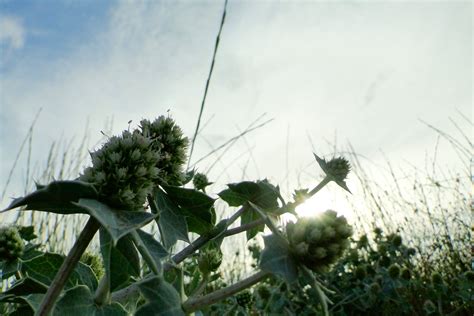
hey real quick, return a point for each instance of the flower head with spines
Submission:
(124, 170)
(11, 243)
(336, 169)
(317, 242)
(167, 138)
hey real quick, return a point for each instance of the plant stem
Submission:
(321, 185)
(68, 266)
(102, 294)
(202, 240)
(193, 304)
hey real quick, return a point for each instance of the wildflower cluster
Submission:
(200, 181)
(124, 170)
(318, 242)
(127, 167)
(167, 138)
(11, 244)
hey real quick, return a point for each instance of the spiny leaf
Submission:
(172, 223)
(56, 197)
(261, 193)
(162, 297)
(79, 301)
(120, 262)
(118, 223)
(276, 258)
(44, 268)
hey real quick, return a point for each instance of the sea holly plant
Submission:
(137, 181)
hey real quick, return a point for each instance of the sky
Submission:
(360, 72)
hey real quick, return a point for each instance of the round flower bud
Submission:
(200, 181)
(394, 271)
(167, 138)
(405, 274)
(244, 299)
(411, 251)
(317, 242)
(209, 260)
(11, 244)
(264, 292)
(396, 240)
(338, 168)
(363, 241)
(469, 275)
(436, 278)
(94, 262)
(123, 180)
(375, 288)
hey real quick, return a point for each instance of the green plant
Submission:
(136, 179)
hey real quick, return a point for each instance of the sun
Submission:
(325, 200)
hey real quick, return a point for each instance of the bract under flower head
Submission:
(336, 169)
(167, 138)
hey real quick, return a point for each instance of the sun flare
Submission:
(322, 201)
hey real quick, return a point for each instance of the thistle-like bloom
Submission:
(319, 241)
(167, 138)
(336, 169)
(200, 181)
(11, 244)
(394, 271)
(124, 170)
(209, 260)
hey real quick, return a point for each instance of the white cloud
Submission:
(12, 32)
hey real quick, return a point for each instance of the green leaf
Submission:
(162, 297)
(28, 304)
(120, 262)
(79, 301)
(157, 251)
(196, 206)
(8, 268)
(249, 215)
(171, 221)
(261, 193)
(26, 286)
(276, 258)
(44, 268)
(118, 223)
(27, 232)
(56, 197)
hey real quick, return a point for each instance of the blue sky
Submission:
(365, 71)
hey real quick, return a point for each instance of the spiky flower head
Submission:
(375, 288)
(11, 243)
(436, 278)
(336, 169)
(209, 259)
(319, 241)
(94, 262)
(394, 271)
(244, 298)
(405, 274)
(123, 170)
(200, 181)
(396, 240)
(167, 138)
